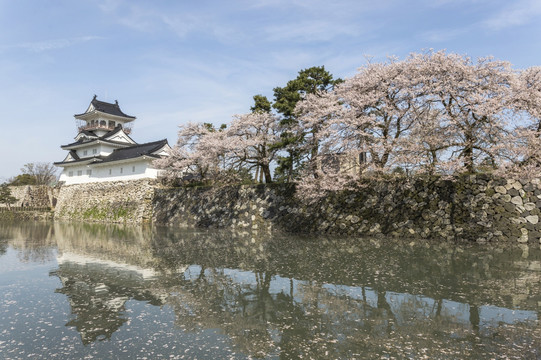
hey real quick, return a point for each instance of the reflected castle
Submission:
(275, 295)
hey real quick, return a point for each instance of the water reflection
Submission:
(289, 297)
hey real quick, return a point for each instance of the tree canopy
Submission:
(254, 143)
(261, 104)
(23, 179)
(433, 113)
(5, 195)
(313, 80)
(39, 173)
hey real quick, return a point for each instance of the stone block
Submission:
(517, 200)
(529, 206)
(509, 207)
(523, 238)
(513, 192)
(532, 219)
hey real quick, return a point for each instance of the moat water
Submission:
(79, 291)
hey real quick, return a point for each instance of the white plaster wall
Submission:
(102, 149)
(105, 150)
(118, 172)
(81, 152)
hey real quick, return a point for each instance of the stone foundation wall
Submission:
(111, 202)
(12, 216)
(473, 208)
(33, 196)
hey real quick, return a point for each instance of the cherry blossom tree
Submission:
(528, 96)
(223, 155)
(198, 153)
(474, 101)
(370, 113)
(251, 142)
(433, 112)
(524, 144)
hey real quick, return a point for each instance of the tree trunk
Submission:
(467, 153)
(256, 178)
(266, 171)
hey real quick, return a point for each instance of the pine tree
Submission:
(5, 195)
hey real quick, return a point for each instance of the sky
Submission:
(172, 62)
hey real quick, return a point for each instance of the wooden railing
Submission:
(126, 129)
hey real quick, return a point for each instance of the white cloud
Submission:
(182, 25)
(310, 30)
(46, 45)
(139, 18)
(518, 13)
(439, 3)
(443, 35)
(109, 5)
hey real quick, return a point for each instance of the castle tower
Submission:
(104, 151)
(101, 117)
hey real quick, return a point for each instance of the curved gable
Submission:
(118, 135)
(164, 150)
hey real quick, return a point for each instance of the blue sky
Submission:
(170, 62)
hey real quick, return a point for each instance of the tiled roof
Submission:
(95, 138)
(88, 133)
(131, 152)
(74, 155)
(136, 151)
(94, 159)
(112, 132)
(108, 108)
(81, 142)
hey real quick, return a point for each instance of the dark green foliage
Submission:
(40, 173)
(210, 127)
(261, 104)
(309, 81)
(289, 167)
(5, 195)
(23, 179)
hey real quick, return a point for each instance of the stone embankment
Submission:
(474, 208)
(35, 196)
(34, 202)
(27, 215)
(111, 202)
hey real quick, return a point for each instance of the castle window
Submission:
(89, 172)
(110, 171)
(94, 151)
(121, 170)
(70, 173)
(133, 169)
(79, 172)
(85, 152)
